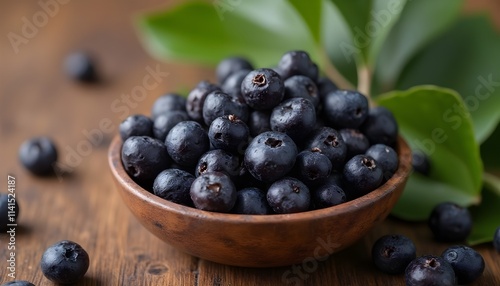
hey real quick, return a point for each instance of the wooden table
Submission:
(36, 98)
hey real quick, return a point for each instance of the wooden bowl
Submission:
(260, 241)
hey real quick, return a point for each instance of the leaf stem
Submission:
(332, 72)
(365, 80)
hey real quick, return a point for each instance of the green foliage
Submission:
(398, 44)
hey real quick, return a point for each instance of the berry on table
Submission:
(65, 262)
(450, 222)
(81, 66)
(18, 283)
(391, 254)
(467, 263)
(429, 270)
(38, 155)
(420, 162)
(8, 205)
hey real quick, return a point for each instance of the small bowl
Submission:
(260, 241)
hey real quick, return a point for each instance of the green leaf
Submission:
(490, 151)
(485, 217)
(456, 167)
(310, 12)
(465, 59)
(369, 23)
(411, 33)
(198, 31)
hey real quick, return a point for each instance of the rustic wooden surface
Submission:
(36, 98)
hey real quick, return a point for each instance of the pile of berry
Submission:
(262, 141)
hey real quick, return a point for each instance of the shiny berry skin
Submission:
(380, 127)
(345, 109)
(7, 205)
(167, 103)
(312, 165)
(81, 66)
(361, 175)
(288, 195)
(330, 143)
(144, 158)
(65, 262)
(262, 89)
(325, 86)
(429, 270)
(218, 161)
(38, 155)
(467, 263)
(391, 254)
(270, 156)
(302, 86)
(232, 85)
(327, 195)
(136, 125)
(230, 66)
(450, 222)
(355, 141)
(229, 133)
(420, 163)
(18, 283)
(258, 122)
(196, 99)
(386, 158)
(297, 63)
(295, 117)
(186, 142)
(213, 191)
(251, 201)
(173, 185)
(219, 104)
(165, 122)
(496, 240)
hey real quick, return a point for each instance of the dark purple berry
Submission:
(186, 142)
(270, 156)
(302, 86)
(9, 211)
(345, 109)
(258, 122)
(218, 104)
(297, 63)
(65, 262)
(288, 195)
(229, 133)
(361, 175)
(429, 270)
(295, 117)
(166, 121)
(173, 185)
(196, 99)
(327, 195)
(391, 254)
(331, 144)
(144, 158)
(136, 125)
(386, 158)
(213, 191)
(450, 222)
(251, 201)
(262, 89)
(467, 263)
(81, 66)
(232, 85)
(18, 283)
(230, 66)
(167, 103)
(312, 165)
(355, 141)
(380, 127)
(496, 240)
(325, 86)
(421, 163)
(38, 155)
(218, 161)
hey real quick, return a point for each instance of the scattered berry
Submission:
(420, 162)
(429, 270)
(467, 263)
(38, 155)
(450, 222)
(8, 205)
(65, 262)
(288, 195)
(391, 254)
(173, 185)
(18, 283)
(136, 125)
(213, 191)
(80, 66)
(496, 240)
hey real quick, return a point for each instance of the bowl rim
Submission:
(403, 171)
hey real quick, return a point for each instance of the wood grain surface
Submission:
(36, 98)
